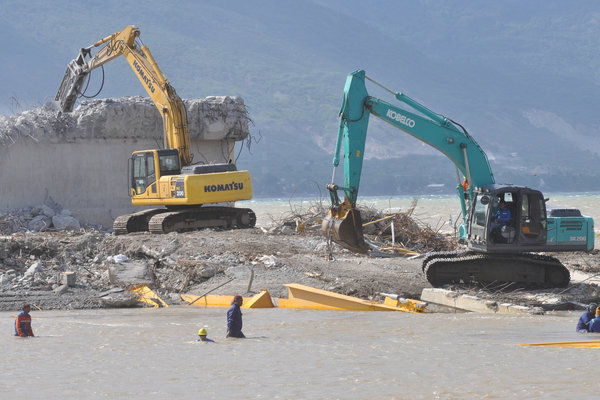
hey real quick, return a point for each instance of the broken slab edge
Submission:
(448, 298)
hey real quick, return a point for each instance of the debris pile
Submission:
(40, 218)
(211, 118)
(100, 267)
(400, 233)
(392, 233)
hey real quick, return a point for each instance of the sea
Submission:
(147, 353)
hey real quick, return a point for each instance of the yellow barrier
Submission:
(145, 295)
(580, 343)
(300, 296)
(260, 300)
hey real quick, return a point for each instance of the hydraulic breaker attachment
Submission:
(70, 87)
(344, 226)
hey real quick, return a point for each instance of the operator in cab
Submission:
(501, 219)
(586, 317)
(502, 216)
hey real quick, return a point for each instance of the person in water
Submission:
(234, 318)
(586, 317)
(23, 322)
(202, 336)
(594, 324)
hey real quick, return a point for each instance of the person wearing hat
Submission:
(234, 318)
(202, 336)
(586, 317)
(594, 324)
(23, 322)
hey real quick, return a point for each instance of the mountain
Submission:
(522, 77)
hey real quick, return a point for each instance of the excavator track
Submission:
(136, 222)
(162, 220)
(201, 217)
(527, 270)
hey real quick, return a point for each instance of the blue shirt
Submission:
(23, 325)
(207, 340)
(234, 322)
(594, 325)
(503, 215)
(584, 320)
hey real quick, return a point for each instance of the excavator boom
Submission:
(146, 69)
(342, 224)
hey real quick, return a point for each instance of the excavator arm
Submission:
(126, 43)
(343, 223)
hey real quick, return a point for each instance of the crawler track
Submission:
(136, 222)
(528, 270)
(162, 220)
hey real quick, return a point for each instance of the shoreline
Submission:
(33, 264)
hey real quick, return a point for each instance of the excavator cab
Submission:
(146, 167)
(508, 219)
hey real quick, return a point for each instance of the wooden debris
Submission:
(410, 237)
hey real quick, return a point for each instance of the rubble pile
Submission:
(100, 267)
(39, 218)
(211, 118)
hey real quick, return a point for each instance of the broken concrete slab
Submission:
(212, 118)
(65, 222)
(129, 273)
(471, 303)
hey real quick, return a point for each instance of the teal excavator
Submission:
(510, 253)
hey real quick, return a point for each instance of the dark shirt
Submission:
(584, 320)
(234, 321)
(503, 216)
(594, 325)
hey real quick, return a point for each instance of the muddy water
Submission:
(294, 354)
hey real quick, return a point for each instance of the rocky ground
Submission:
(33, 267)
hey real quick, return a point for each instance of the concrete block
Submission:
(68, 278)
(129, 273)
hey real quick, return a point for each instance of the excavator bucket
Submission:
(345, 229)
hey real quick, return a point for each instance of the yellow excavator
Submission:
(163, 177)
